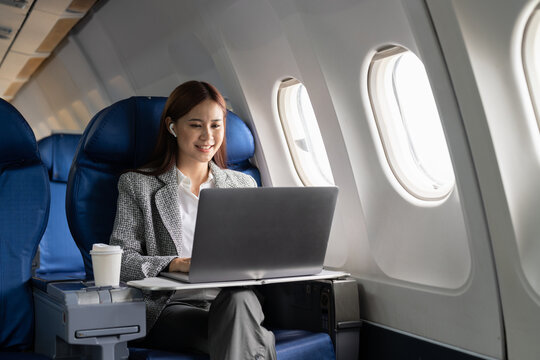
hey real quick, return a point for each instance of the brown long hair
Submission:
(182, 99)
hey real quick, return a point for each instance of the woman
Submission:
(155, 221)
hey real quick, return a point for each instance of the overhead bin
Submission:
(19, 66)
(29, 37)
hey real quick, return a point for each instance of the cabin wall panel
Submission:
(346, 230)
(426, 248)
(133, 25)
(250, 53)
(102, 55)
(60, 92)
(243, 59)
(345, 36)
(504, 138)
(190, 55)
(159, 46)
(39, 115)
(151, 65)
(226, 77)
(257, 74)
(83, 76)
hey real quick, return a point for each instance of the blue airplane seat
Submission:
(121, 137)
(24, 209)
(21, 356)
(290, 345)
(240, 147)
(118, 138)
(59, 257)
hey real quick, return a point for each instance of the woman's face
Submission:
(199, 133)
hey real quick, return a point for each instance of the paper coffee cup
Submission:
(106, 262)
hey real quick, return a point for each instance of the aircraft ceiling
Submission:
(30, 30)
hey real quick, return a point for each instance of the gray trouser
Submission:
(229, 329)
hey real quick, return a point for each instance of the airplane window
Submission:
(409, 124)
(303, 134)
(531, 57)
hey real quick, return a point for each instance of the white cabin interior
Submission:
(461, 271)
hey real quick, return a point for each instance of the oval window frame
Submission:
(384, 108)
(285, 113)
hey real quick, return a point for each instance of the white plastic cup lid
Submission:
(105, 249)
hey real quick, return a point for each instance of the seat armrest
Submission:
(40, 281)
(74, 319)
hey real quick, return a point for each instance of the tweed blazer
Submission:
(148, 226)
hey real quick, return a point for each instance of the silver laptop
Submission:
(260, 233)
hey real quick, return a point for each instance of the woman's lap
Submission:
(235, 318)
(181, 326)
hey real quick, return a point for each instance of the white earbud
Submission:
(171, 129)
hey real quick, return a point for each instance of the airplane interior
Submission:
(425, 114)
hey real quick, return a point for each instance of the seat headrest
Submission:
(120, 135)
(17, 140)
(240, 143)
(57, 153)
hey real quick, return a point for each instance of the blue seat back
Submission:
(24, 208)
(121, 137)
(58, 253)
(240, 147)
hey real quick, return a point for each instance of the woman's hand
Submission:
(180, 264)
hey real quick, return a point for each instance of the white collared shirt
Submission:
(188, 204)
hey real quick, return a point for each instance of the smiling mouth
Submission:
(204, 148)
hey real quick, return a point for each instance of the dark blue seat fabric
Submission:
(303, 345)
(21, 356)
(290, 345)
(59, 256)
(119, 137)
(150, 354)
(240, 147)
(24, 208)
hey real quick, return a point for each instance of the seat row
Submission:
(62, 197)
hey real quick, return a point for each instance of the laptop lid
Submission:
(258, 233)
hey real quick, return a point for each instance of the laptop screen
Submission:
(257, 233)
